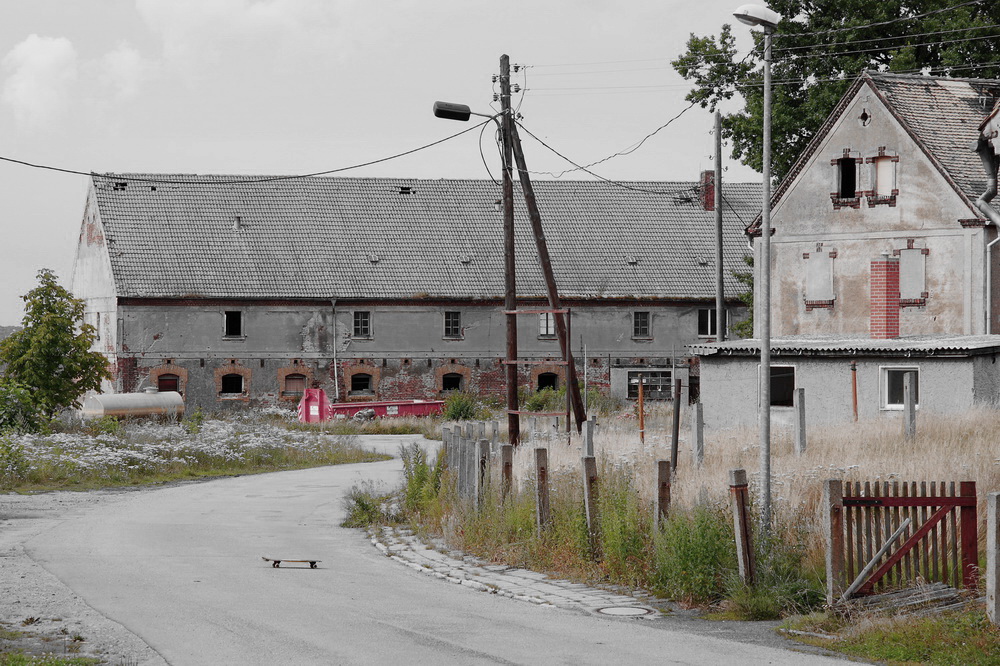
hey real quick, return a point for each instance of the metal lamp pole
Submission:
(767, 20)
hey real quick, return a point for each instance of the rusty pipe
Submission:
(854, 388)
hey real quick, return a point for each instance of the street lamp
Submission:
(766, 19)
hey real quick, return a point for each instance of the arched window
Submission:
(168, 382)
(548, 380)
(361, 383)
(232, 384)
(451, 382)
(295, 386)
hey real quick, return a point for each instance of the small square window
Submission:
(893, 387)
(706, 322)
(362, 324)
(640, 325)
(361, 383)
(546, 325)
(233, 324)
(453, 324)
(232, 384)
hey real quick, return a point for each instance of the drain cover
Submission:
(624, 610)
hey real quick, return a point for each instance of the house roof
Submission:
(921, 345)
(173, 236)
(942, 115)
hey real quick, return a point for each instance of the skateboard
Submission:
(276, 563)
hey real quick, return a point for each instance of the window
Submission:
(452, 381)
(452, 324)
(847, 181)
(548, 380)
(295, 386)
(546, 325)
(706, 322)
(361, 383)
(362, 324)
(819, 278)
(233, 326)
(656, 385)
(232, 385)
(883, 175)
(893, 385)
(640, 325)
(913, 276)
(167, 382)
(782, 386)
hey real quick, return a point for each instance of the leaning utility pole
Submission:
(510, 282)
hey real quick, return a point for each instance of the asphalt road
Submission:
(181, 567)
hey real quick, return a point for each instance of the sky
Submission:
(300, 86)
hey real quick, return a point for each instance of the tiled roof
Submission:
(174, 236)
(920, 345)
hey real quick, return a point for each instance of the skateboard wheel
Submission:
(276, 563)
(312, 565)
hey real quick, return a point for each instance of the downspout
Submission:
(336, 366)
(986, 152)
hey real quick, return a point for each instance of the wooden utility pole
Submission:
(562, 332)
(510, 281)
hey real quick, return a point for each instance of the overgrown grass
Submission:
(22, 659)
(111, 453)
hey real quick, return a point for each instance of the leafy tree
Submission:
(820, 48)
(50, 355)
(744, 328)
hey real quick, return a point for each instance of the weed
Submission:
(459, 406)
(694, 553)
(193, 422)
(14, 464)
(368, 506)
(106, 425)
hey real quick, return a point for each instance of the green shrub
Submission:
(106, 425)
(14, 463)
(459, 406)
(694, 553)
(624, 528)
(367, 506)
(19, 412)
(422, 480)
(192, 422)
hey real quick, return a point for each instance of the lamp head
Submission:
(451, 111)
(756, 15)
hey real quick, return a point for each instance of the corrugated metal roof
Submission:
(373, 238)
(921, 345)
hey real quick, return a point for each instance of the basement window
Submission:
(548, 380)
(361, 384)
(295, 386)
(893, 387)
(233, 324)
(232, 385)
(656, 385)
(451, 381)
(168, 382)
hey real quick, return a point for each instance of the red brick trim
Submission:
(543, 368)
(819, 305)
(169, 369)
(362, 366)
(973, 223)
(296, 368)
(233, 368)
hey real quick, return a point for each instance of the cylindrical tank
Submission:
(149, 403)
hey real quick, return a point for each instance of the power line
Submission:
(881, 39)
(240, 181)
(876, 25)
(834, 54)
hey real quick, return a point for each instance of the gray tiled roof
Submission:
(921, 345)
(173, 236)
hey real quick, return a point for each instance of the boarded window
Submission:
(819, 278)
(884, 173)
(656, 385)
(361, 383)
(893, 387)
(548, 380)
(295, 386)
(232, 384)
(546, 325)
(233, 324)
(782, 386)
(451, 381)
(168, 382)
(912, 276)
(362, 324)
(452, 324)
(640, 325)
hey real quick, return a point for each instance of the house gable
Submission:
(93, 279)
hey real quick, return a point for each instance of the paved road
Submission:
(181, 568)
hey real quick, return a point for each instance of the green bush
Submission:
(19, 412)
(106, 425)
(694, 554)
(459, 406)
(367, 506)
(624, 528)
(14, 463)
(192, 422)
(422, 480)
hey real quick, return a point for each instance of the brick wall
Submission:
(884, 318)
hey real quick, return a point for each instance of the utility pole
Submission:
(510, 281)
(720, 305)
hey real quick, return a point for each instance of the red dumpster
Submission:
(343, 410)
(314, 407)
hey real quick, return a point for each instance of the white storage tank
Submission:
(148, 403)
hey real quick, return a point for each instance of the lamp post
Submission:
(767, 20)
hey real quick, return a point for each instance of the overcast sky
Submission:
(298, 86)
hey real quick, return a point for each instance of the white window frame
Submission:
(546, 325)
(712, 328)
(883, 381)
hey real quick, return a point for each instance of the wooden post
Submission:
(909, 405)
(589, 464)
(698, 434)
(506, 469)
(642, 412)
(662, 491)
(542, 514)
(970, 536)
(833, 506)
(741, 522)
(509, 254)
(993, 557)
(800, 421)
(676, 431)
(588, 437)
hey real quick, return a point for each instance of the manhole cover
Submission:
(624, 610)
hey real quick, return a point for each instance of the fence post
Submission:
(698, 433)
(446, 444)
(909, 405)
(482, 470)
(833, 507)
(741, 522)
(800, 421)
(970, 536)
(676, 431)
(531, 428)
(662, 491)
(993, 557)
(506, 469)
(496, 434)
(589, 464)
(542, 488)
(588, 437)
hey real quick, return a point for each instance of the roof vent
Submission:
(406, 189)
(119, 185)
(373, 258)
(466, 259)
(237, 223)
(498, 205)
(702, 261)
(632, 260)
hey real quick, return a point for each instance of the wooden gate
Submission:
(939, 545)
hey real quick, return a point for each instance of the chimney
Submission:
(884, 323)
(707, 190)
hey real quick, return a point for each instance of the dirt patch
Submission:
(38, 613)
